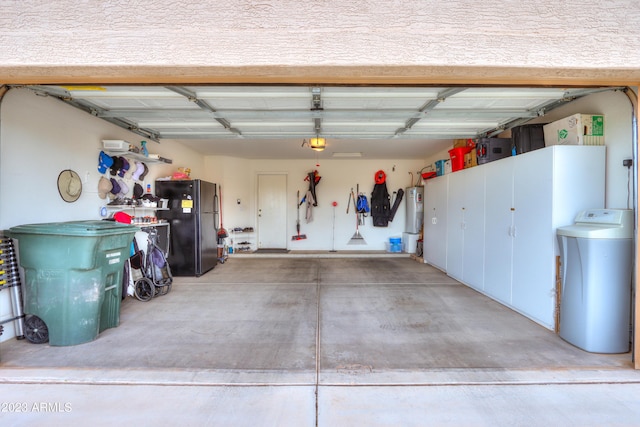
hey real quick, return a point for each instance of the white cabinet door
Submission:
(498, 245)
(473, 256)
(533, 280)
(465, 227)
(435, 221)
(455, 223)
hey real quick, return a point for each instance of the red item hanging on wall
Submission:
(380, 177)
(316, 176)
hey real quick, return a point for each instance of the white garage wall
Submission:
(40, 137)
(618, 139)
(239, 177)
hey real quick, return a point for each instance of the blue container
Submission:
(395, 244)
(440, 167)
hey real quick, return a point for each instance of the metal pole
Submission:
(333, 228)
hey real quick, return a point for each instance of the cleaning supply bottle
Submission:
(144, 148)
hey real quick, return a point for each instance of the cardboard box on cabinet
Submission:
(470, 159)
(578, 129)
(459, 143)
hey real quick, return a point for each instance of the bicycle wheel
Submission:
(144, 289)
(35, 330)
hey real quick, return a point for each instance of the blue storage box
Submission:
(440, 167)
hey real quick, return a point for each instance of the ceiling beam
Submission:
(428, 106)
(191, 96)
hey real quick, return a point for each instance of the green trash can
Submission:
(73, 278)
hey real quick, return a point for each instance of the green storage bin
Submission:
(73, 276)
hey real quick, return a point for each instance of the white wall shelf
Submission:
(153, 158)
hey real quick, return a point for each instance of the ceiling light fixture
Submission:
(317, 143)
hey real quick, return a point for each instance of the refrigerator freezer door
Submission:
(207, 248)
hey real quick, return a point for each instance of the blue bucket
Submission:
(395, 244)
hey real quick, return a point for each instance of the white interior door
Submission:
(272, 211)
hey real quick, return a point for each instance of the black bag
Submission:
(380, 205)
(137, 259)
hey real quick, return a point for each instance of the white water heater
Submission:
(415, 209)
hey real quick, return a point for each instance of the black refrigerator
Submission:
(193, 248)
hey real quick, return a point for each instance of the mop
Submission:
(357, 238)
(298, 236)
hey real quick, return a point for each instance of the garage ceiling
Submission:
(276, 121)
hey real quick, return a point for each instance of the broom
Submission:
(357, 238)
(222, 233)
(298, 236)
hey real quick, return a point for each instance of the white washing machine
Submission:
(597, 255)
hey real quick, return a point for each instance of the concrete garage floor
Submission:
(311, 341)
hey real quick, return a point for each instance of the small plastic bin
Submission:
(394, 245)
(440, 167)
(457, 157)
(73, 276)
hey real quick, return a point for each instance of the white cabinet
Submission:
(474, 212)
(435, 222)
(498, 245)
(465, 227)
(550, 187)
(524, 200)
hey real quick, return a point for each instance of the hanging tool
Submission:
(222, 233)
(333, 229)
(349, 202)
(357, 238)
(298, 236)
(362, 206)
